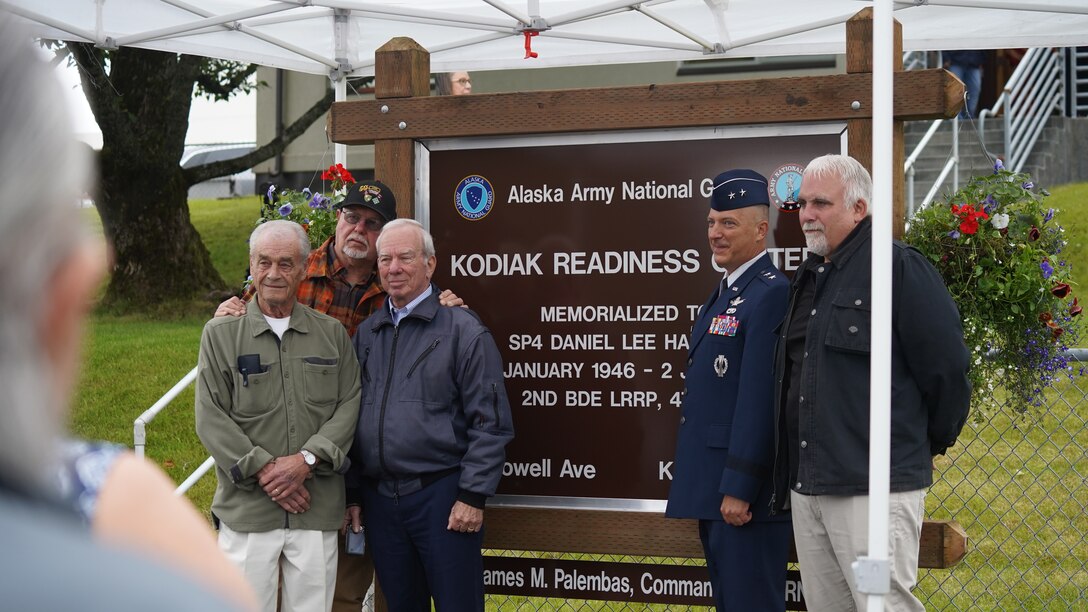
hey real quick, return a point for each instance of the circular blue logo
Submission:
(474, 197)
(785, 185)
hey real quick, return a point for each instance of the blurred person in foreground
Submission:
(277, 397)
(146, 549)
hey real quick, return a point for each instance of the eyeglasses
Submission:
(372, 224)
(463, 82)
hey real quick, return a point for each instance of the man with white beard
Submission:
(822, 395)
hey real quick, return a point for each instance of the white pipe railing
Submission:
(195, 476)
(139, 426)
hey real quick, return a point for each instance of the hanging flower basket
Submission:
(313, 211)
(999, 249)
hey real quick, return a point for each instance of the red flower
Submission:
(1055, 330)
(1060, 290)
(1033, 233)
(1074, 309)
(1045, 317)
(339, 176)
(969, 217)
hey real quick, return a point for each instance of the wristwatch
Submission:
(309, 458)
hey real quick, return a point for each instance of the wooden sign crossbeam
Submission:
(645, 534)
(924, 93)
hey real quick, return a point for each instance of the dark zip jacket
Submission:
(434, 401)
(930, 390)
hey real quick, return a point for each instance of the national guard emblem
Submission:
(785, 186)
(474, 197)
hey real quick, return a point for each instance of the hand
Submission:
(234, 307)
(449, 298)
(281, 477)
(465, 518)
(735, 511)
(297, 502)
(352, 519)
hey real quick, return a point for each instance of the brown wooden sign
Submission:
(589, 262)
(687, 585)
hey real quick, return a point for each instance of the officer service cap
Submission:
(739, 188)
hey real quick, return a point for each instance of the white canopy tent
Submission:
(338, 37)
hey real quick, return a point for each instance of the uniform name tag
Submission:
(724, 325)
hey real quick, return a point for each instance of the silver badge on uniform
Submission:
(721, 366)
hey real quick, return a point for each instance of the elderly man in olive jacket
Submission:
(277, 401)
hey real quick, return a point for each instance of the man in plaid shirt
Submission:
(342, 282)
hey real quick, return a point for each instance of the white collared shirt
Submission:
(731, 277)
(400, 313)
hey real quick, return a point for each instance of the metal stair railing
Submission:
(951, 166)
(1032, 94)
(1078, 81)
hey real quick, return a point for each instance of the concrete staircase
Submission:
(1054, 161)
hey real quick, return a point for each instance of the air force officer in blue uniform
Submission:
(725, 448)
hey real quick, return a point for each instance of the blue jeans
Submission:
(972, 79)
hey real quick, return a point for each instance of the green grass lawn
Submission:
(1018, 487)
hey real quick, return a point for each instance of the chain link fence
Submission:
(1017, 483)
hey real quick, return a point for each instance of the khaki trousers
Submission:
(832, 531)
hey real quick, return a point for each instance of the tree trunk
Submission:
(142, 107)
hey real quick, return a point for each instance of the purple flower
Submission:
(286, 209)
(1049, 215)
(319, 201)
(1027, 185)
(989, 204)
(306, 192)
(1047, 269)
(954, 235)
(998, 166)
(271, 191)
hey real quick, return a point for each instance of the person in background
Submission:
(146, 550)
(967, 66)
(277, 395)
(822, 397)
(452, 84)
(725, 447)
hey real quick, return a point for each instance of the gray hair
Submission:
(280, 227)
(425, 237)
(39, 230)
(857, 184)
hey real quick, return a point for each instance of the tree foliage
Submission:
(141, 100)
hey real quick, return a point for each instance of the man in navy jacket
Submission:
(725, 448)
(434, 424)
